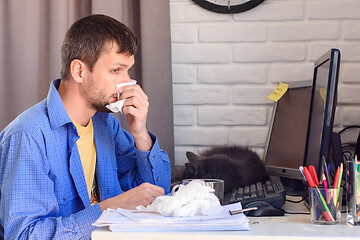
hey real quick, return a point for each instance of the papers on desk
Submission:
(133, 220)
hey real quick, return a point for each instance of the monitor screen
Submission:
(322, 111)
(302, 122)
(287, 136)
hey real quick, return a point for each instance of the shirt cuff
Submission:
(86, 218)
(152, 162)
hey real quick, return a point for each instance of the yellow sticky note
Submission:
(278, 92)
(323, 95)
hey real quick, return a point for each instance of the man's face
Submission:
(109, 70)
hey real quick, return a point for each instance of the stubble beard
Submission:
(100, 107)
(96, 99)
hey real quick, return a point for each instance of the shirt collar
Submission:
(57, 113)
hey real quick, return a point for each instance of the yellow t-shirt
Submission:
(87, 151)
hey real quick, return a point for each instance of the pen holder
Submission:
(353, 192)
(325, 205)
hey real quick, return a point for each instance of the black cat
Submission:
(237, 166)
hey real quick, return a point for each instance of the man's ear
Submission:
(77, 70)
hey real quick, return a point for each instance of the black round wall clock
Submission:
(228, 6)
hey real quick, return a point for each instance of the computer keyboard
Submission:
(271, 191)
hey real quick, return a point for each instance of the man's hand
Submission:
(144, 195)
(136, 108)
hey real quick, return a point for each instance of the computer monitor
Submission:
(285, 147)
(322, 110)
(302, 123)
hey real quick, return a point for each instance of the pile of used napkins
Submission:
(192, 199)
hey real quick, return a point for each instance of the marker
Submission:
(336, 183)
(309, 177)
(314, 175)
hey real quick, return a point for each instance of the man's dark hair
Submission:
(86, 38)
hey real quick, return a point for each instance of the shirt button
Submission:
(153, 158)
(64, 198)
(158, 178)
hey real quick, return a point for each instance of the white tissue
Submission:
(192, 199)
(117, 106)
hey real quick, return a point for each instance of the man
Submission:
(66, 159)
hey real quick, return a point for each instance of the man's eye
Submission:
(115, 71)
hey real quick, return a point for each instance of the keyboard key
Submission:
(260, 190)
(253, 192)
(240, 191)
(269, 187)
(233, 195)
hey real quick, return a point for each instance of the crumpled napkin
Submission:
(117, 106)
(192, 199)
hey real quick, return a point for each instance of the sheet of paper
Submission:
(133, 220)
(150, 217)
(278, 92)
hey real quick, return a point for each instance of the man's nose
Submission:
(125, 78)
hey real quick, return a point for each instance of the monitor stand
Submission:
(294, 187)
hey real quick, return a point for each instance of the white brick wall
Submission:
(225, 65)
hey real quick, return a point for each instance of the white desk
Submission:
(294, 227)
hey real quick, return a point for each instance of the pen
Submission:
(242, 210)
(326, 211)
(339, 183)
(329, 200)
(326, 171)
(301, 169)
(326, 188)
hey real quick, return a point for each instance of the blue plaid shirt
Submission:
(43, 192)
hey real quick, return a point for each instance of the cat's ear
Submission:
(192, 156)
(192, 170)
